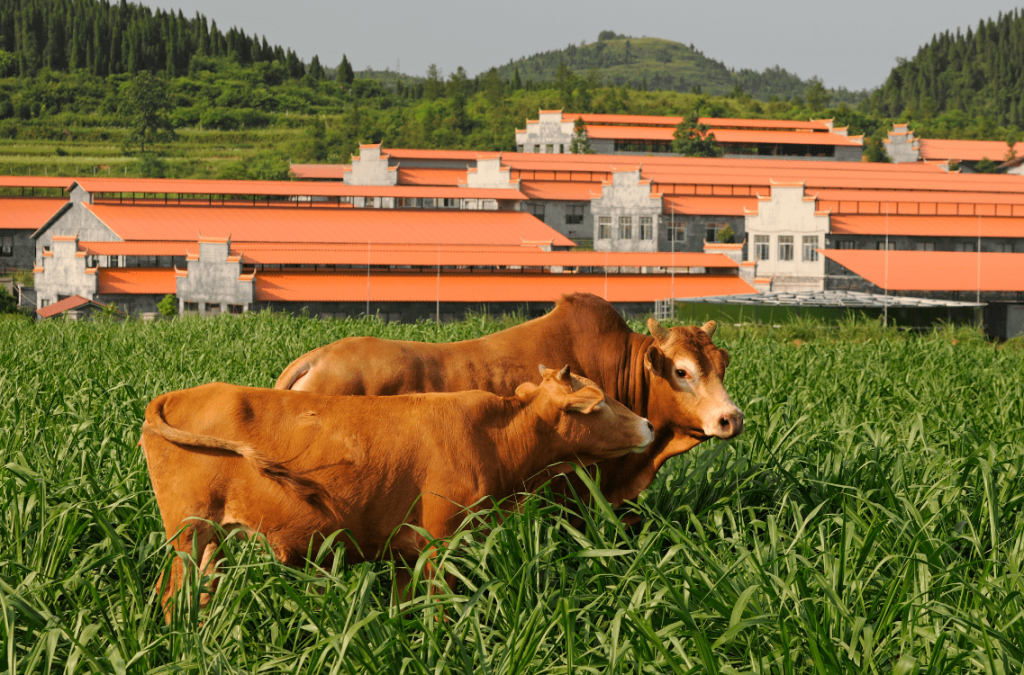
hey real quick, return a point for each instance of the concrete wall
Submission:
(410, 312)
(23, 251)
(555, 213)
(901, 243)
(627, 196)
(603, 146)
(489, 173)
(64, 274)
(549, 129)
(696, 230)
(214, 279)
(371, 168)
(788, 213)
(132, 305)
(901, 146)
(846, 153)
(79, 221)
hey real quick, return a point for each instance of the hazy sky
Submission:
(846, 44)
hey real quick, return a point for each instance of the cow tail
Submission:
(295, 371)
(309, 490)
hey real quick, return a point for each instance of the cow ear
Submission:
(652, 359)
(526, 391)
(709, 328)
(586, 400)
(542, 368)
(659, 332)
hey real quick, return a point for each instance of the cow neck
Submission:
(521, 437)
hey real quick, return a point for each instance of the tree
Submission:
(1011, 146)
(168, 306)
(316, 71)
(694, 140)
(817, 96)
(580, 144)
(725, 235)
(986, 165)
(434, 85)
(345, 73)
(145, 100)
(8, 303)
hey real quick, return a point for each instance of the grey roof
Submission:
(828, 299)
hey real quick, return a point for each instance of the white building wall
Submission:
(371, 168)
(901, 146)
(788, 213)
(548, 134)
(64, 273)
(627, 196)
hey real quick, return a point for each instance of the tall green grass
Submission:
(869, 520)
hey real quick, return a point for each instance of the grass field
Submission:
(869, 520)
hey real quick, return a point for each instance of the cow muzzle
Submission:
(728, 424)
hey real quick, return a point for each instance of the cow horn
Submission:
(659, 332)
(563, 374)
(709, 328)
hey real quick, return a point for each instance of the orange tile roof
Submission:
(970, 151)
(287, 189)
(379, 246)
(636, 120)
(344, 287)
(560, 190)
(36, 182)
(171, 248)
(25, 213)
(685, 205)
(736, 123)
(935, 270)
(320, 171)
(447, 177)
(449, 258)
(928, 226)
(405, 226)
(65, 305)
(136, 281)
(753, 136)
(413, 153)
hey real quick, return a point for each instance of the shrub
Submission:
(168, 306)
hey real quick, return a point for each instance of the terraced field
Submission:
(870, 520)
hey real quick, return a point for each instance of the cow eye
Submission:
(681, 373)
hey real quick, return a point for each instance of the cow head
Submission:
(581, 413)
(686, 371)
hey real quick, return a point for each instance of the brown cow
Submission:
(296, 466)
(673, 377)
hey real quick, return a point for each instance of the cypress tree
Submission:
(345, 73)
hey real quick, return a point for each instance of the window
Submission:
(785, 247)
(761, 248)
(113, 261)
(520, 148)
(236, 309)
(969, 247)
(604, 227)
(536, 148)
(997, 248)
(574, 214)
(536, 209)
(881, 245)
(646, 228)
(449, 203)
(676, 228)
(846, 245)
(550, 149)
(6, 246)
(191, 306)
(810, 249)
(625, 227)
(924, 246)
(712, 231)
(560, 150)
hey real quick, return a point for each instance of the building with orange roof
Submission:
(903, 147)
(553, 131)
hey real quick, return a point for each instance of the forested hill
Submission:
(659, 64)
(107, 39)
(980, 72)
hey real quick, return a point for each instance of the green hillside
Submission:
(660, 64)
(977, 74)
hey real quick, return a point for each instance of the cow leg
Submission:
(187, 537)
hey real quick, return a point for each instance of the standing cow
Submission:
(673, 377)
